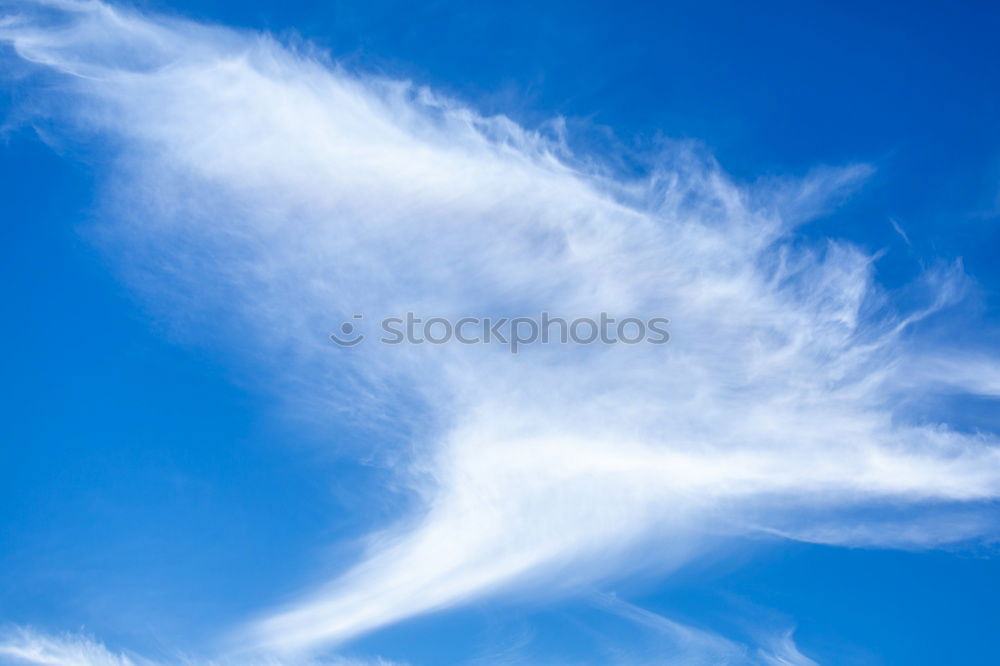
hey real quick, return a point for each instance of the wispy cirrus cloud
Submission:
(262, 189)
(672, 643)
(27, 646)
(691, 646)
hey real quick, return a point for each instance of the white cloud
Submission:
(690, 646)
(266, 195)
(27, 646)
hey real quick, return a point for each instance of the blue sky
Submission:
(190, 468)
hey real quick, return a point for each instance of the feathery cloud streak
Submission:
(27, 646)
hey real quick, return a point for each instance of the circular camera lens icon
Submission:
(348, 334)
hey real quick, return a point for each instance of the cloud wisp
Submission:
(689, 646)
(27, 646)
(260, 190)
